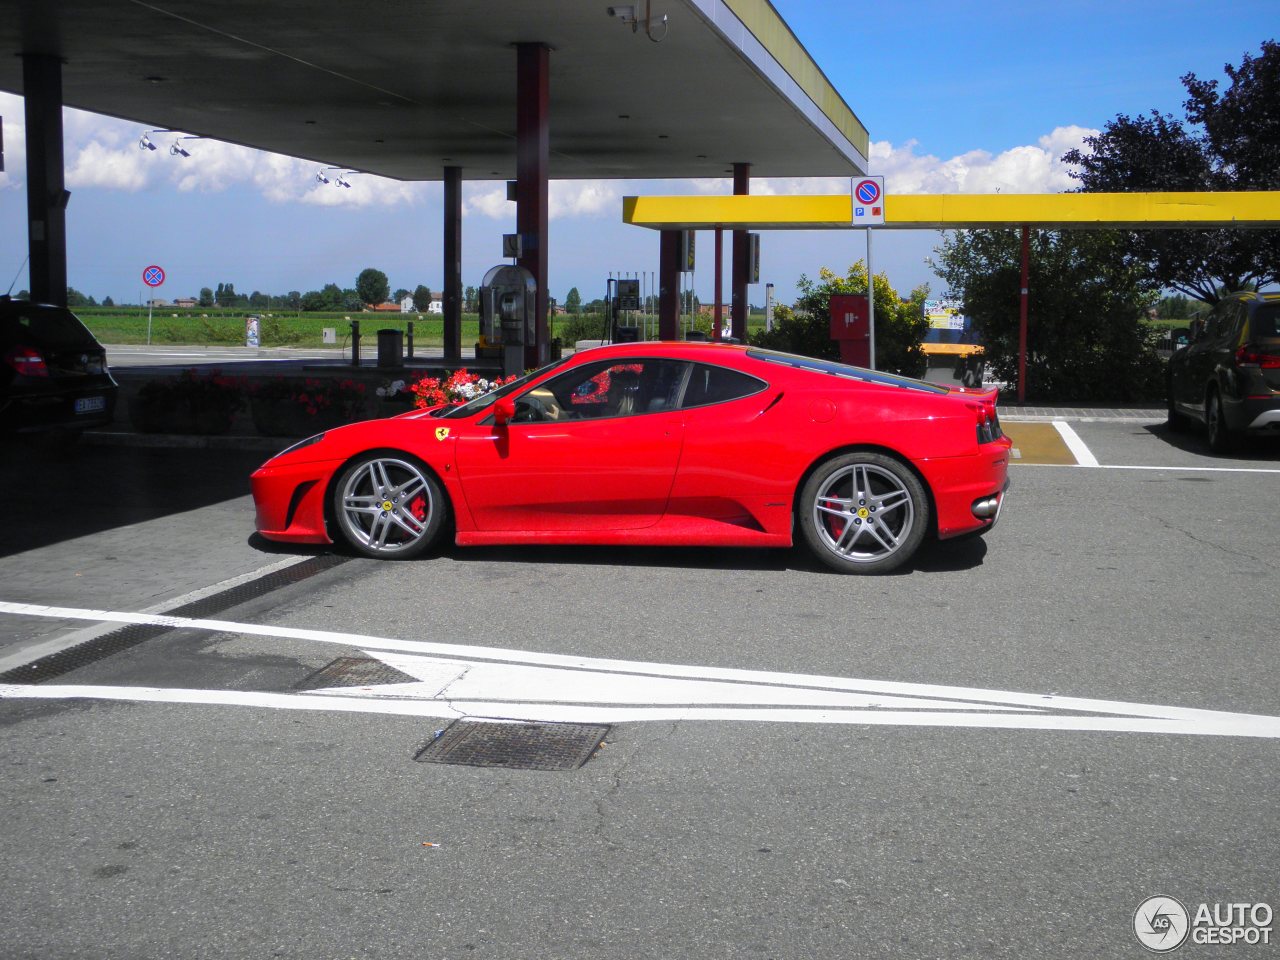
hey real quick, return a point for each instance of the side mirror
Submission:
(503, 410)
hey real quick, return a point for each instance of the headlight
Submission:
(300, 444)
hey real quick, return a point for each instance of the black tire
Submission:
(388, 505)
(1221, 440)
(863, 513)
(1177, 422)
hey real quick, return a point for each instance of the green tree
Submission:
(108, 302)
(372, 286)
(470, 300)
(422, 298)
(293, 300)
(573, 301)
(1087, 338)
(331, 295)
(1228, 141)
(206, 297)
(900, 325)
(314, 300)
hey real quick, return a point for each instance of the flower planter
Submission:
(159, 416)
(288, 418)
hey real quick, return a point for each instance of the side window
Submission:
(708, 384)
(1213, 325)
(605, 389)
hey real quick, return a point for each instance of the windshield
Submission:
(486, 400)
(836, 369)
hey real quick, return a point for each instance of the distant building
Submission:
(185, 302)
(406, 304)
(437, 304)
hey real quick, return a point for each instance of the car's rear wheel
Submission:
(863, 513)
(1220, 437)
(389, 506)
(1177, 420)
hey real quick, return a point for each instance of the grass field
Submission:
(128, 325)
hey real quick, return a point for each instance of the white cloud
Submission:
(1027, 169)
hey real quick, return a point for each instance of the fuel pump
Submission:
(508, 307)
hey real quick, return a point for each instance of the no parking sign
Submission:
(868, 201)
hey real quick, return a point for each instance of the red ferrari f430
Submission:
(675, 444)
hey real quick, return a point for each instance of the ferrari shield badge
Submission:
(442, 433)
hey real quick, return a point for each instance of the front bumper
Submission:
(289, 501)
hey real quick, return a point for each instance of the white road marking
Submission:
(1126, 466)
(454, 680)
(45, 648)
(1084, 456)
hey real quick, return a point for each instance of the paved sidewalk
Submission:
(1084, 412)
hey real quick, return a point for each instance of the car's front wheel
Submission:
(388, 506)
(863, 513)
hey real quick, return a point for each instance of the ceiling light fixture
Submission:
(629, 15)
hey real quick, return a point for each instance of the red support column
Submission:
(46, 190)
(741, 256)
(1022, 313)
(715, 311)
(669, 285)
(533, 144)
(452, 298)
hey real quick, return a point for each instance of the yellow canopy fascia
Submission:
(959, 211)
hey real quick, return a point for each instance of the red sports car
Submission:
(675, 444)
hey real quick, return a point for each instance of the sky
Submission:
(958, 97)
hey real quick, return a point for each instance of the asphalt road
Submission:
(252, 824)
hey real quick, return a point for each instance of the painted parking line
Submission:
(1083, 455)
(456, 681)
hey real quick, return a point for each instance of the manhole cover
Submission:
(354, 672)
(517, 746)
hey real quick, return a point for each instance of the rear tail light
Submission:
(28, 362)
(988, 425)
(1251, 355)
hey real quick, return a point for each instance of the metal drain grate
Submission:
(354, 672)
(91, 651)
(515, 746)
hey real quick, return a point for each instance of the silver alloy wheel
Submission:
(863, 513)
(386, 506)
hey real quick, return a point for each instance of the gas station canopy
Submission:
(404, 88)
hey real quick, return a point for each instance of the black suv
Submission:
(1228, 376)
(53, 373)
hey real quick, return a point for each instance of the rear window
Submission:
(51, 328)
(708, 384)
(1265, 323)
(834, 369)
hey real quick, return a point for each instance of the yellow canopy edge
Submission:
(957, 211)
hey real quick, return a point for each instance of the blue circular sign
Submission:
(868, 191)
(153, 276)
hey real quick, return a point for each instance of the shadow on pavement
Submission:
(932, 558)
(50, 495)
(1255, 449)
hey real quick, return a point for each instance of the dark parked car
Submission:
(1228, 376)
(53, 373)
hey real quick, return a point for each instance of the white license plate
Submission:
(91, 404)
